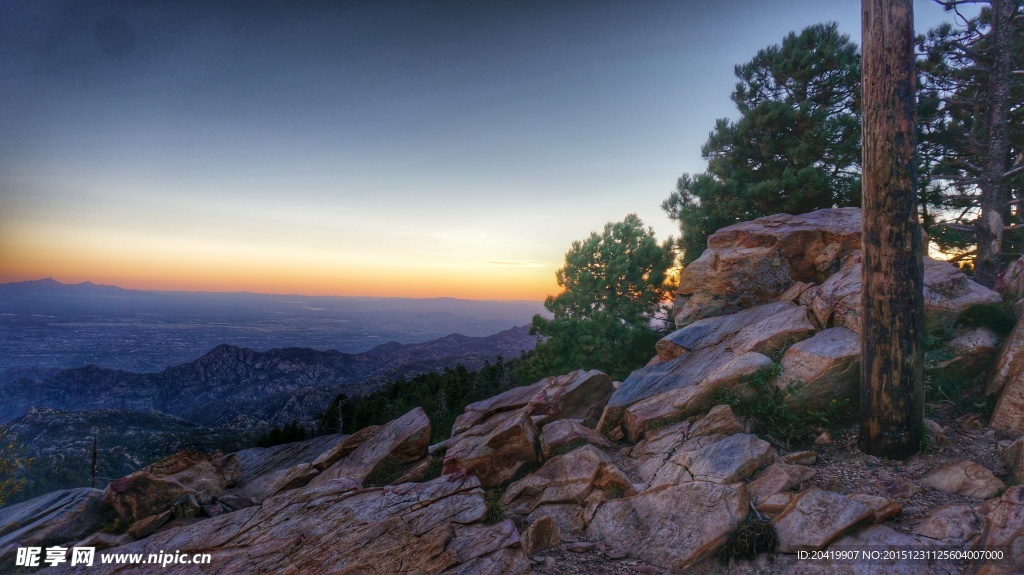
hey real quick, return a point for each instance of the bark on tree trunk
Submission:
(994, 192)
(892, 390)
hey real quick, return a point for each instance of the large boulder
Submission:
(728, 460)
(434, 527)
(815, 518)
(496, 450)
(947, 293)
(577, 395)
(152, 489)
(757, 261)
(964, 478)
(1003, 529)
(673, 526)
(715, 330)
(567, 434)
(684, 386)
(823, 368)
(570, 480)
(387, 454)
(51, 519)
(270, 470)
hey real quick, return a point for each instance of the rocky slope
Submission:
(579, 474)
(274, 387)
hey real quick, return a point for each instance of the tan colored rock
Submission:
(566, 434)
(796, 290)
(970, 354)
(690, 383)
(720, 419)
(801, 458)
(820, 369)
(1003, 528)
(882, 509)
(576, 395)
(1010, 281)
(274, 482)
(1013, 458)
(386, 454)
(954, 524)
(964, 478)
(496, 450)
(152, 489)
(1009, 412)
(672, 527)
(777, 503)
(816, 518)
(727, 461)
(775, 332)
(777, 477)
(712, 331)
(1009, 365)
(345, 445)
(411, 528)
(53, 518)
(541, 535)
(148, 525)
(947, 293)
(568, 478)
(757, 261)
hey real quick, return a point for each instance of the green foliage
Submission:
(290, 432)
(11, 461)
(955, 117)
(614, 491)
(795, 147)
(997, 317)
(615, 285)
(495, 510)
(766, 405)
(443, 395)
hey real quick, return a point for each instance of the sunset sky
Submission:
(411, 149)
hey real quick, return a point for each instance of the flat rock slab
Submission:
(964, 478)
(816, 518)
(727, 461)
(777, 478)
(568, 478)
(53, 518)
(674, 526)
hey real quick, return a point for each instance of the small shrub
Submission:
(614, 491)
(495, 510)
(752, 536)
(995, 316)
(118, 526)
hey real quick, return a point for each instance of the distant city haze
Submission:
(411, 149)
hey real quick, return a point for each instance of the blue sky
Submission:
(356, 148)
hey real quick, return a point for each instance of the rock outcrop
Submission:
(151, 490)
(50, 519)
(433, 527)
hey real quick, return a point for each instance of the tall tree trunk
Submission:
(892, 390)
(994, 191)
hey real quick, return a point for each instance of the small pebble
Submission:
(615, 554)
(579, 546)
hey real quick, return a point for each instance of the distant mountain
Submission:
(46, 324)
(230, 384)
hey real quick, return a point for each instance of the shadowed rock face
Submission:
(50, 519)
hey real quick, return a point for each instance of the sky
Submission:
(385, 148)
